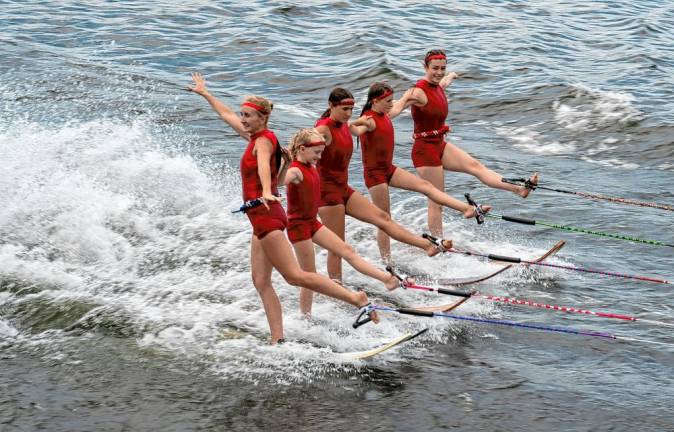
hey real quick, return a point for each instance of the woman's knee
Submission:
(261, 282)
(474, 165)
(295, 277)
(348, 252)
(382, 216)
(426, 187)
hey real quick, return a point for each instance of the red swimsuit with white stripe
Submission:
(427, 151)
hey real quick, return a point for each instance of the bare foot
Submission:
(393, 283)
(524, 192)
(362, 300)
(434, 249)
(470, 213)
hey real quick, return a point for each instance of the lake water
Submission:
(125, 295)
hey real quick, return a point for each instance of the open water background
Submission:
(125, 296)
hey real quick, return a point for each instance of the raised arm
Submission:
(448, 79)
(225, 112)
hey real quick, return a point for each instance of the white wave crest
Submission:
(593, 109)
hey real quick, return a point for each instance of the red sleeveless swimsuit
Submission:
(377, 150)
(427, 151)
(333, 167)
(303, 200)
(263, 221)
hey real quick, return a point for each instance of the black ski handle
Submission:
(363, 318)
(479, 214)
(430, 238)
(504, 258)
(519, 220)
(454, 292)
(417, 312)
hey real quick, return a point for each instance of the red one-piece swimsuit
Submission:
(377, 150)
(303, 200)
(427, 151)
(333, 167)
(264, 221)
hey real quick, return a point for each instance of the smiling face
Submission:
(311, 154)
(252, 120)
(435, 70)
(383, 105)
(341, 113)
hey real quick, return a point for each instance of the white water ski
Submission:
(362, 355)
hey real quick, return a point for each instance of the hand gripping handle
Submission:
(363, 317)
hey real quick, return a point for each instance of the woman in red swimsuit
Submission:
(337, 197)
(431, 153)
(375, 130)
(304, 229)
(269, 248)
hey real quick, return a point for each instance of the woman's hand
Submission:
(199, 84)
(285, 155)
(269, 197)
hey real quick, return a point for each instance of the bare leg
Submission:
(280, 254)
(304, 251)
(329, 241)
(455, 159)
(436, 177)
(380, 198)
(359, 207)
(405, 180)
(333, 218)
(261, 272)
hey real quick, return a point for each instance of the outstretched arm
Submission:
(409, 98)
(225, 112)
(448, 79)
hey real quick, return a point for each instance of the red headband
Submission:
(349, 102)
(386, 94)
(435, 56)
(256, 107)
(314, 144)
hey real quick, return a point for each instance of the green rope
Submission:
(587, 231)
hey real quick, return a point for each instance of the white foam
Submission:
(534, 142)
(592, 109)
(613, 163)
(113, 214)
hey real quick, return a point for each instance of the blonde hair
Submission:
(303, 137)
(266, 104)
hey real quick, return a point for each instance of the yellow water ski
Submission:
(361, 355)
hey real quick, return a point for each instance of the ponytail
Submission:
(305, 137)
(376, 90)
